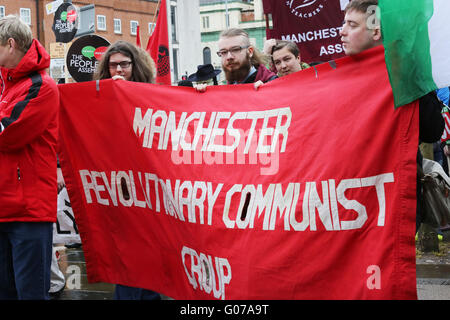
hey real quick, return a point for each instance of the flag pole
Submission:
(154, 15)
(153, 21)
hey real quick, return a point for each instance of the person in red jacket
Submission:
(29, 103)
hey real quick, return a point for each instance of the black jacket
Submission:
(431, 127)
(431, 122)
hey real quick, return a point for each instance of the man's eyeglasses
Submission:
(122, 64)
(233, 51)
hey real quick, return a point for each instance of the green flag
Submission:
(416, 38)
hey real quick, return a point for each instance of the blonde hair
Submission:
(258, 57)
(12, 26)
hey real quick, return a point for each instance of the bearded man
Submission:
(241, 61)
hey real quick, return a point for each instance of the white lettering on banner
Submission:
(304, 9)
(162, 127)
(205, 276)
(191, 201)
(121, 187)
(317, 35)
(312, 35)
(274, 201)
(331, 49)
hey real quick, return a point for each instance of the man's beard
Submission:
(239, 74)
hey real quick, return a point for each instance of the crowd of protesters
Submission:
(28, 130)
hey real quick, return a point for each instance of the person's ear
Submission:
(376, 34)
(12, 44)
(250, 51)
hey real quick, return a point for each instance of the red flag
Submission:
(158, 46)
(138, 37)
(207, 196)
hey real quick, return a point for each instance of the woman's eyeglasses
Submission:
(122, 64)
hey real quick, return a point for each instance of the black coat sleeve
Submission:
(431, 122)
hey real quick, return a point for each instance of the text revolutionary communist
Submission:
(258, 206)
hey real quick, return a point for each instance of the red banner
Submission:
(304, 189)
(313, 25)
(158, 46)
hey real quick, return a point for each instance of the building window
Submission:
(151, 28)
(205, 21)
(2, 11)
(133, 27)
(175, 63)
(117, 26)
(101, 23)
(173, 19)
(25, 15)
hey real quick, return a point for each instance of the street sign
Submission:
(65, 22)
(84, 55)
(57, 50)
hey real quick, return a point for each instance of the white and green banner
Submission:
(416, 37)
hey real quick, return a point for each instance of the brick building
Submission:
(114, 20)
(118, 19)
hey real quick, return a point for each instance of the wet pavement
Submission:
(73, 266)
(433, 272)
(433, 275)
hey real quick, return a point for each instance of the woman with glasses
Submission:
(125, 61)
